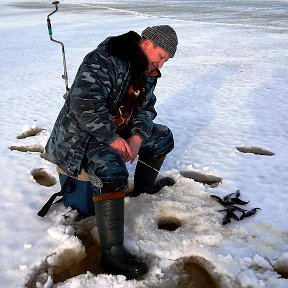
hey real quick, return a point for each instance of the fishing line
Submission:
(151, 167)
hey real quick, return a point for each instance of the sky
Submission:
(225, 89)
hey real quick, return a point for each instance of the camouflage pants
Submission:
(107, 164)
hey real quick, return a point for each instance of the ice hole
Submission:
(255, 150)
(202, 177)
(71, 262)
(42, 177)
(281, 265)
(33, 131)
(29, 148)
(196, 272)
(169, 223)
(282, 272)
(91, 262)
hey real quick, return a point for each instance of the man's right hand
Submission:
(122, 147)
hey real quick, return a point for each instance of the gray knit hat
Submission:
(164, 36)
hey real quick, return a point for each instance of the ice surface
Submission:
(225, 88)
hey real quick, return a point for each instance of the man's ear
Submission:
(147, 43)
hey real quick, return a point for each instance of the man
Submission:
(107, 121)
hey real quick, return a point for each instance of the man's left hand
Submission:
(134, 143)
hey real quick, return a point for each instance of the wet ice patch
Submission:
(69, 250)
(43, 177)
(202, 177)
(27, 148)
(255, 150)
(27, 133)
(196, 272)
(39, 276)
(30, 132)
(78, 252)
(57, 267)
(89, 261)
(281, 265)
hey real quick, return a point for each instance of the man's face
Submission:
(156, 55)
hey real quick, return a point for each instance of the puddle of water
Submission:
(43, 178)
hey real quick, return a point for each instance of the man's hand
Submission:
(122, 147)
(134, 143)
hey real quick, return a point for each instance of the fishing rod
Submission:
(65, 74)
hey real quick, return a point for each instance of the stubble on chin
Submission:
(151, 67)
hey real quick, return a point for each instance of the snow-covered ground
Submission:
(225, 88)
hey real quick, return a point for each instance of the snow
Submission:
(225, 88)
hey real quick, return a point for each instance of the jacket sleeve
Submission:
(142, 122)
(89, 93)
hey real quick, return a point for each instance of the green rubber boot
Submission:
(115, 258)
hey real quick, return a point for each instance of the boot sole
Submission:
(136, 274)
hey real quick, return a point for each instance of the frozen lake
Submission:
(226, 87)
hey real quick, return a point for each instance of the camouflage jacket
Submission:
(100, 83)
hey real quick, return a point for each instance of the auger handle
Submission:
(48, 19)
(65, 75)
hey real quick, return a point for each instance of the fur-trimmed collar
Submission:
(127, 48)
